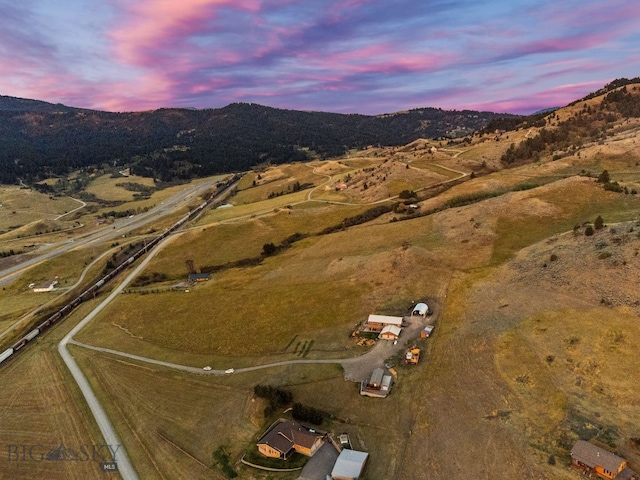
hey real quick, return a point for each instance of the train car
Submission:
(32, 334)
(54, 318)
(44, 325)
(130, 260)
(99, 284)
(21, 343)
(6, 354)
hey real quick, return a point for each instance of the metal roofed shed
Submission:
(421, 310)
(349, 465)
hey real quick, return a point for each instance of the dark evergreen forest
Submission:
(40, 140)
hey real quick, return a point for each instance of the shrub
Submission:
(604, 177)
(304, 413)
(599, 223)
(588, 231)
(222, 459)
(406, 194)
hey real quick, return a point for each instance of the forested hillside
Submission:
(40, 140)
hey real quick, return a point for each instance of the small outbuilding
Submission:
(426, 331)
(420, 310)
(349, 465)
(390, 332)
(378, 385)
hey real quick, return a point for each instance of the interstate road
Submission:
(110, 232)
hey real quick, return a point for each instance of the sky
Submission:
(345, 56)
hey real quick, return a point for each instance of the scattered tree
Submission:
(604, 177)
(599, 223)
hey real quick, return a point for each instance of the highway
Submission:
(109, 232)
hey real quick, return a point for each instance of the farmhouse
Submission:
(288, 437)
(349, 465)
(378, 385)
(589, 459)
(390, 332)
(375, 323)
(420, 310)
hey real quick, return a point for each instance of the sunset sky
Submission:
(348, 56)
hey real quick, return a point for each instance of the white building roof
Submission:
(420, 309)
(393, 329)
(385, 319)
(349, 464)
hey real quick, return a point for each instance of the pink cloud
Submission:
(154, 24)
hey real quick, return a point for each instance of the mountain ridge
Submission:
(40, 140)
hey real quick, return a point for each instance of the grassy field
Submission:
(41, 408)
(107, 188)
(21, 206)
(235, 241)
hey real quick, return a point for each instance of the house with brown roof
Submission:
(589, 458)
(288, 437)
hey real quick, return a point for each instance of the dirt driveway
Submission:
(360, 368)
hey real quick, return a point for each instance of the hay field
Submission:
(107, 188)
(41, 409)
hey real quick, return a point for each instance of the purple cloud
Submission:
(349, 55)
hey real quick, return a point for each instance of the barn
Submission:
(375, 323)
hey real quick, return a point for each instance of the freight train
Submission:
(92, 290)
